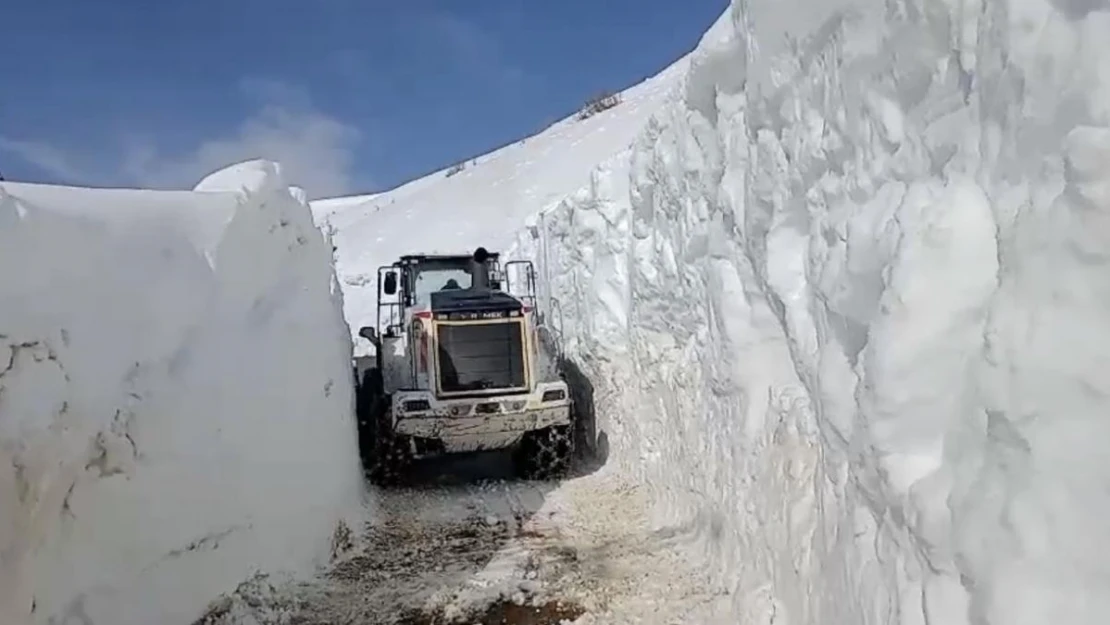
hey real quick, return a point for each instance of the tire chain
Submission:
(551, 453)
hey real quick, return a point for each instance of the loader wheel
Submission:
(368, 394)
(384, 454)
(388, 458)
(544, 454)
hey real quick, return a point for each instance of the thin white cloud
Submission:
(316, 151)
(47, 158)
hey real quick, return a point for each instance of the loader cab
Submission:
(407, 285)
(435, 312)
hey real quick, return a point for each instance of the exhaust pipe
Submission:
(479, 270)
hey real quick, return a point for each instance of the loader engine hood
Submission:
(481, 343)
(463, 303)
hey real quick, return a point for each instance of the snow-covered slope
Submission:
(175, 397)
(843, 303)
(484, 204)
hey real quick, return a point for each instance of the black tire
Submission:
(368, 394)
(545, 454)
(388, 459)
(385, 456)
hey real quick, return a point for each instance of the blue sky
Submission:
(352, 95)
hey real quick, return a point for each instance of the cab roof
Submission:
(417, 258)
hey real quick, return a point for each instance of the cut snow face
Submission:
(175, 397)
(845, 307)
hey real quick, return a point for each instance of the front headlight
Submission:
(556, 394)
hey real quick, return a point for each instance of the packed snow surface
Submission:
(506, 552)
(843, 300)
(175, 397)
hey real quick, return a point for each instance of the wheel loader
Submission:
(459, 367)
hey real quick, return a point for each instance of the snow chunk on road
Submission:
(175, 397)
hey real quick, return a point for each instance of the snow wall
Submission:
(175, 397)
(846, 305)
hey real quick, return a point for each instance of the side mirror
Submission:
(369, 333)
(390, 286)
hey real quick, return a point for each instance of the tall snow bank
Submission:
(847, 310)
(175, 397)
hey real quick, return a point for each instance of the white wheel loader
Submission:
(459, 367)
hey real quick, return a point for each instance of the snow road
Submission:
(485, 550)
